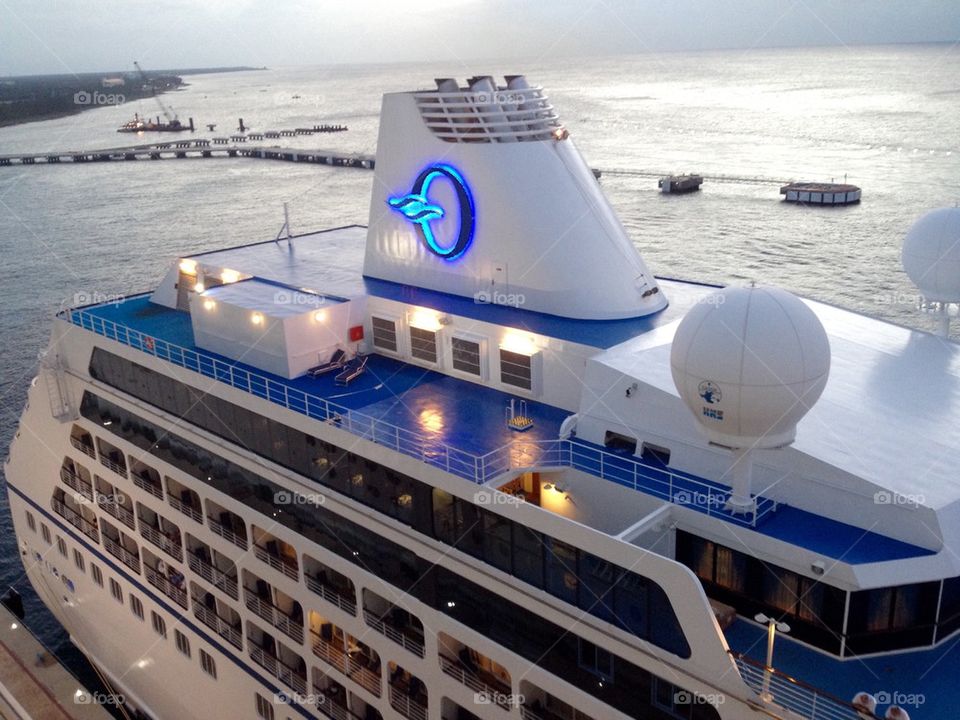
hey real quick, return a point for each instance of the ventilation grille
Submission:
(501, 115)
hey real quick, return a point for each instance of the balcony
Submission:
(167, 587)
(331, 704)
(146, 482)
(109, 505)
(171, 547)
(495, 692)
(72, 479)
(84, 443)
(76, 519)
(355, 665)
(189, 510)
(213, 575)
(278, 562)
(408, 636)
(220, 625)
(333, 595)
(227, 533)
(276, 667)
(121, 553)
(287, 624)
(112, 458)
(413, 708)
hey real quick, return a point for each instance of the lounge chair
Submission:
(336, 362)
(352, 371)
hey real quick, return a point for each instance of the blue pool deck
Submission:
(466, 422)
(927, 677)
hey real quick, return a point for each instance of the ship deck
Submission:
(922, 682)
(461, 426)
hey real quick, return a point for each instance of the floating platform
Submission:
(809, 193)
(673, 184)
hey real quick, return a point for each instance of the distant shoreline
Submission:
(35, 98)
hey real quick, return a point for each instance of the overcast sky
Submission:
(55, 36)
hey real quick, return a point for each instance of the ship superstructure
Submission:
(287, 483)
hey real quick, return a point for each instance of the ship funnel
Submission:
(480, 193)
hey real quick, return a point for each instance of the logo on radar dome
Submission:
(710, 392)
(432, 219)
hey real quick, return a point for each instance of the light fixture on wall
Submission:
(256, 318)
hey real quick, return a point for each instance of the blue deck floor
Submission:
(930, 675)
(471, 418)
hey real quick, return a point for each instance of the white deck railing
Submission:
(515, 456)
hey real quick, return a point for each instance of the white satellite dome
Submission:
(931, 255)
(749, 363)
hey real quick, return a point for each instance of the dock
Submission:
(34, 685)
(809, 193)
(200, 148)
(675, 184)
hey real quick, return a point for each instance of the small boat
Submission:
(680, 183)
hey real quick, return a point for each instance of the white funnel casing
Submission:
(545, 238)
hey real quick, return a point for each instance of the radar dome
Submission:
(931, 255)
(749, 363)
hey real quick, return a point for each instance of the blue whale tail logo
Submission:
(417, 207)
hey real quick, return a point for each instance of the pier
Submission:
(196, 149)
(34, 685)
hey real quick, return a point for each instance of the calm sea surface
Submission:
(887, 118)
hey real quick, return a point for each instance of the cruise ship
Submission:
(475, 460)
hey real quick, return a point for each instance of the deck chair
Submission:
(352, 371)
(336, 362)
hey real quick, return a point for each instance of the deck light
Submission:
(209, 304)
(199, 287)
(772, 627)
(517, 342)
(229, 276)
(188, 266)
(320, 316)
(256, 318)
(424, 319)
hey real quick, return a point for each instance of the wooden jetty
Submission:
(183, 149)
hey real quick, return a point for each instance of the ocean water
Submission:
(886, 118)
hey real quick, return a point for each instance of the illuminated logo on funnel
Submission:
(419, 209)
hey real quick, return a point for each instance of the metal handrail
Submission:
(163, 584)
(776, 687)
(517, 455)
(119, 469)
(188, 510)
(120, 512)
(388, 630)
(331, 595)
(72, 479)
(278, 563)
(144, 482)
(406, 705)
(217, 623)
(340, 660)
(219, 529)
(171, 548)
(273, 615)
(213, 575)
(118, 551)
(85, 448)
(452, 668)
(279, 669)
(75, 519)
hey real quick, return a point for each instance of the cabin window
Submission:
(136, 607)
(423, 344)
(654, 454)
(61, 546)
(159, 624)
(31, 522)
(208, 664)
(384, 334)
(620, 443)
(466, 355)
(78, 560)
(116, 590)
(183, 642)
(96, 574)
(595, 660)
(516, 369)
(264, 708)
(45, 534)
